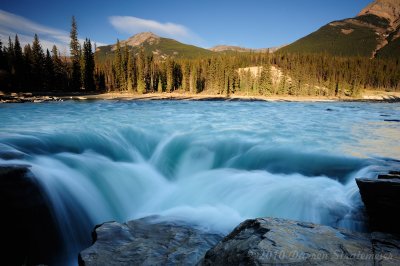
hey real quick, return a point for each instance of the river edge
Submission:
(369, 96)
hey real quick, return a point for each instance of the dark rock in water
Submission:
(147, 241)
(381, 198)
(29, 234)
(267, 241)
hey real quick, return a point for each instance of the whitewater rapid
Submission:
(213, 164)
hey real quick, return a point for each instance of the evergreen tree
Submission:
(60, 73)
(159, 86)
(19, 76)
(265, 80)
(130, 71)
(75, 57)
(89, 66)
(170, 75)
(38, 62)
(3, 61)
(141, 80)
(48, 82)
(118, 66)
(185, 76)
(3, 67)
(28, 63)
(193, 79)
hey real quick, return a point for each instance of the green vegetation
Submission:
(163, 47)
(391, 50)
(33, 69)
(374, 20)
(294, 74)
(75, 57)
(344, 39)
(146, 68)
(350, 37)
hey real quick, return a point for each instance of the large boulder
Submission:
(267, 241)
(381, 197)
(148, 241)
(29, 233)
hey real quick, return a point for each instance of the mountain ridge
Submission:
(232, 48)
(155, 45)
(374, 32)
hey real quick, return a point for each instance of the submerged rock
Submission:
(267, 241)
(381, 197)
(147, 241)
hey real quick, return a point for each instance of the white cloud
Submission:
(11, 24)
(134, 25)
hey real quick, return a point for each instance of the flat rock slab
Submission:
(267, 241)
(148, 241)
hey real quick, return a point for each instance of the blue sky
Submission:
(250, 23)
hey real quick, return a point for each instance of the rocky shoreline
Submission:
(28, 98)
(48, 97)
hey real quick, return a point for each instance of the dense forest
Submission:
(250, 73)
(31, 69)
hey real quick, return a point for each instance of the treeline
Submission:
(249, 73)
(132, 70)
(31, 69)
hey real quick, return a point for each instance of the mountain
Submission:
(374, 32)
(156, 45)
(230, 48)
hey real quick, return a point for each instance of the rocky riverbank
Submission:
(262, 241)
(28, 98)
(38, 97)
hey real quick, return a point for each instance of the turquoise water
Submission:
(213, 164)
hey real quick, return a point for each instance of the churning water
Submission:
(211, 163)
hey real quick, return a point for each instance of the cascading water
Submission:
(213, 164)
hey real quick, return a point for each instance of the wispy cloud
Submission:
(11, 24)
(133, 25)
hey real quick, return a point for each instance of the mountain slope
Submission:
(234, 49)
(230, 48)
(374, 32)
(153, 44)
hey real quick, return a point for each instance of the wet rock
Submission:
(30, 235)
(381, 197)
(386, 248)
(267, 241)
(392, 120)
(147, 241)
